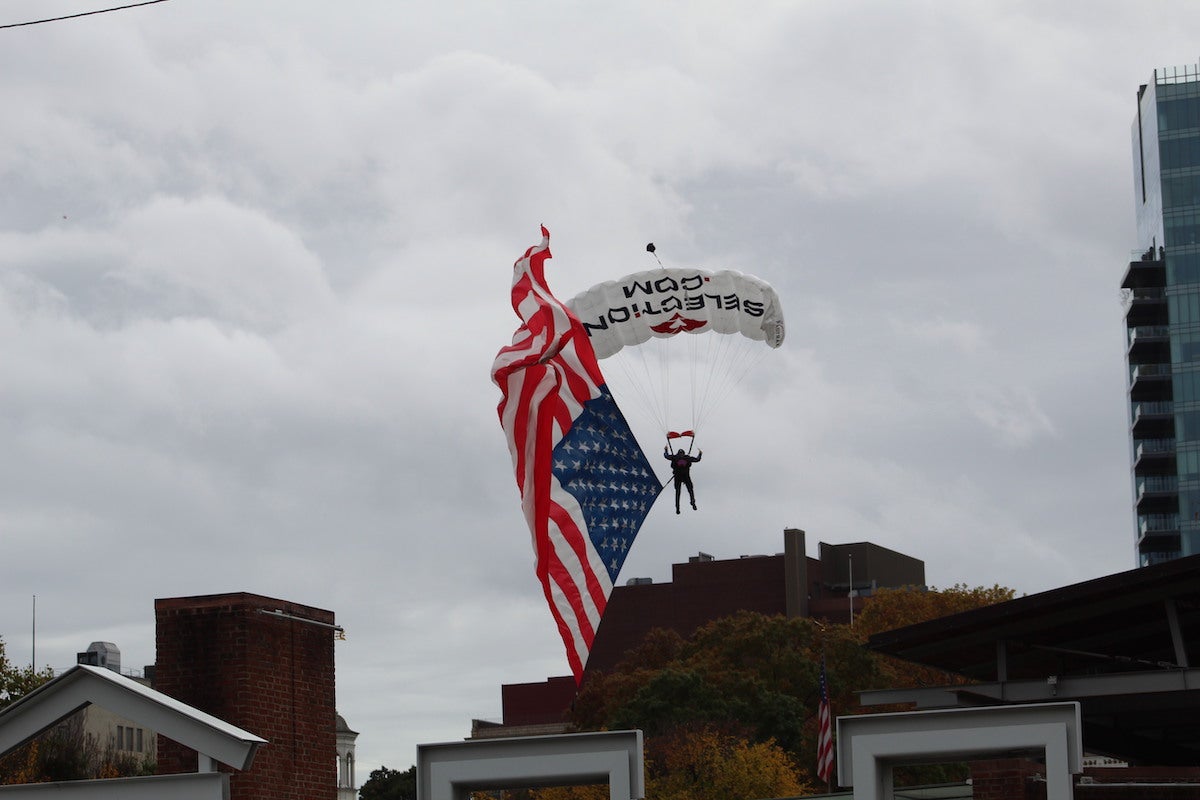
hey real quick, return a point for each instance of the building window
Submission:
(139, 740)
(120, 737)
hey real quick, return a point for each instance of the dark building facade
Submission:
(704, 589)
(1162, 293)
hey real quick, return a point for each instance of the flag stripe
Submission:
(585, 485)
(824, 732)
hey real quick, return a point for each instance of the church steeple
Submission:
(347, 790)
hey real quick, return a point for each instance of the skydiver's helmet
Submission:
(679, 452)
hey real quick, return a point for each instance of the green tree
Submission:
(755, 678)
(16, 682)
(390, 784)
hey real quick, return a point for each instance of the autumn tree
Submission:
(748, 676)
(706, 764)
(702, 763)
(889, 609)
(754, 678)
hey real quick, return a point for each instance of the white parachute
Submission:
(681, 338)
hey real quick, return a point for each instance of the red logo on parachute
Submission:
(678, 324)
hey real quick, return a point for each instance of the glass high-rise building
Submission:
(1162, 294)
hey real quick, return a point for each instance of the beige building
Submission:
(109, 733)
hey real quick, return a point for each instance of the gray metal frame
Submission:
(451, 771)
(871, 745)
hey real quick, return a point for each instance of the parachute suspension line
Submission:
(636, 366)
(729, 359)
(716, 358)
(741, 360)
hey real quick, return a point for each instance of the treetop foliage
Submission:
(755, 678)
(730, 711)
(390, 784)
(16, 682)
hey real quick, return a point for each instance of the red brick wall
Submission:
(1139, 783)
(1007, 779)
(270, 676)
(698, 593)
(534, 703)
(1014, 779)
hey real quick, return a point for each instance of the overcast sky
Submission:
(255, 263)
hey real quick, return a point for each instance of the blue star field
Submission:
(601, 464)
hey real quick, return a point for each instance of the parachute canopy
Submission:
(661, 303)
(677, 380)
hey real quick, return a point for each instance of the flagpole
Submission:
(850, 558)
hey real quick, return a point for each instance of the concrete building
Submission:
(703, 589)
(1162, 296)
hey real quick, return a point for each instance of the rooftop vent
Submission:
(101, 654)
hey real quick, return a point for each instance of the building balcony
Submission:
(1153, 419)
(1158, 533)
(1156, 495)
(1157, 484)
(1148, 558)
(1145, 307)
(1149, 374)
(1144, 272)
(1148, 344)
(1158, 542)
(1148, 333)
(1154, 456)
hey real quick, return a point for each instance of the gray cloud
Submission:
(255, 262)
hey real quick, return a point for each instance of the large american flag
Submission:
(824, 732)
(586, 486)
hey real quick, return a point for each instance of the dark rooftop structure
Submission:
(1120, 645)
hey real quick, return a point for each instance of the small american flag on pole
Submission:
(586, 486)
(824, 732)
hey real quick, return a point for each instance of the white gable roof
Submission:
(84, 685)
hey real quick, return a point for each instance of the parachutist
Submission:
(681, 472)
(650, 247)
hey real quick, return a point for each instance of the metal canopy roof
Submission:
(1122, 645)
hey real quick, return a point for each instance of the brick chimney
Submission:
(262, 664)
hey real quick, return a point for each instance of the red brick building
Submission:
(788, 583)
(262, 664)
